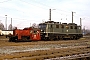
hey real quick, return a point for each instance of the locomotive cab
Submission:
(42, 27)
(35, 34)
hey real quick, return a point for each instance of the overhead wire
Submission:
(47, 7)
(41, 7)
(57, 9)
(33, 4)
(5, 1)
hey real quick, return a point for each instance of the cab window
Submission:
(57, 26)
(71, 27)
(62, 26)
(42, 25)
(75, 27)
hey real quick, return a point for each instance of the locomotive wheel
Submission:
(46, 39)
(10, 39)
(62, 38)
(76, 38)
(57, 38)
(72, 37)
(13, 40)
(51, 39)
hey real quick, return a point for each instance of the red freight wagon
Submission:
(27, 34)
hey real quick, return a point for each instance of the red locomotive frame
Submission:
(27, 34)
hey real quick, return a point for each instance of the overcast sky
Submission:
(26, 12)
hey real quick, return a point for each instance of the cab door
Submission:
(51, 28)
(36, 35)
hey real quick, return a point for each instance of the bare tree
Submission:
(35, 25)
(14, 27)
(10, 27)
(1, 26)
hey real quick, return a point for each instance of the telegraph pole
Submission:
(50, 14)
(80, 22)
(11, 23)
(0, 21)
(72, 16)
(6, 22)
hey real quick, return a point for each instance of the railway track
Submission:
(85, 56)
(45, 50)
(47, 54)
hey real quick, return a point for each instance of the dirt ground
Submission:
(40, 50)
